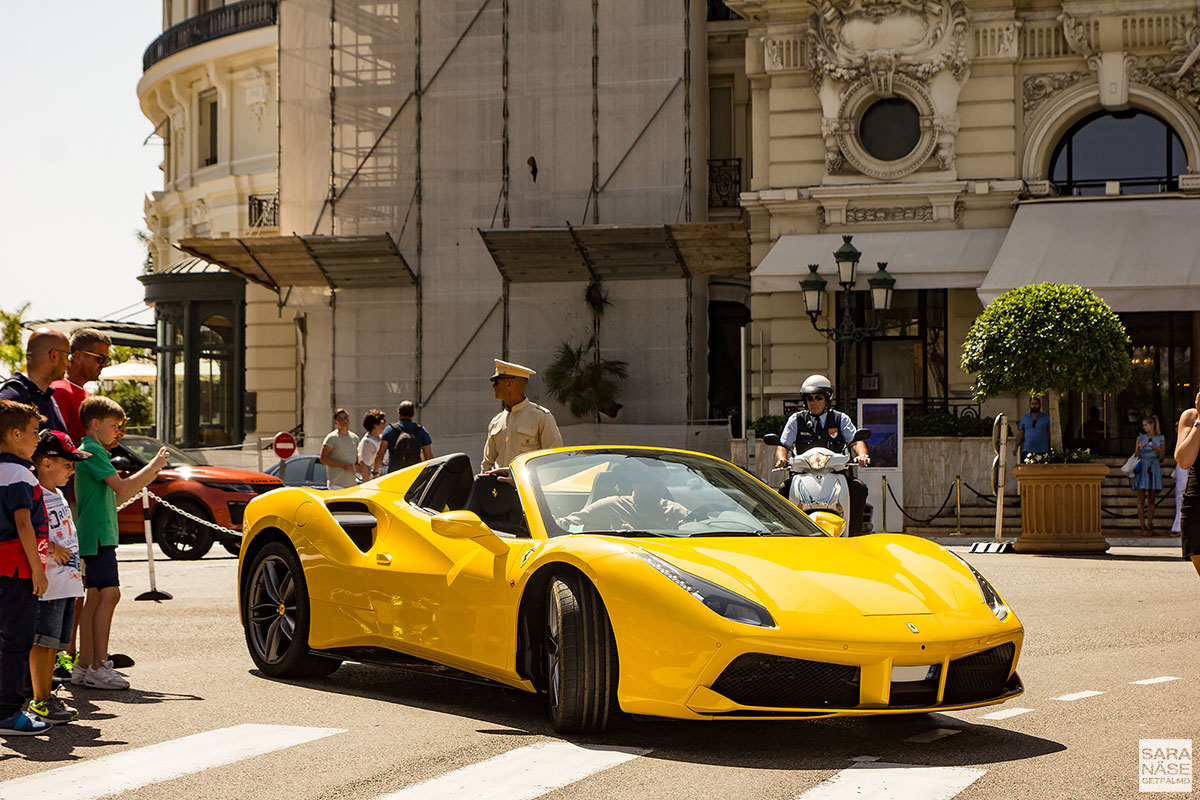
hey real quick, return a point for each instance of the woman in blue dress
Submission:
(1147, 479)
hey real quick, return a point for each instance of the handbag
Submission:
(1131, 465)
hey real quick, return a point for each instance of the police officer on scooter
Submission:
(820, 426)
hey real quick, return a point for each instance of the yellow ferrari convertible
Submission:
(620, 579)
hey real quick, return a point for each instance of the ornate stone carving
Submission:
(1008, 47)
(891, 214)
(254, 84)
(1176, 74)
(1039, 87)
(860, 96)
(835, 162)
(945, 155)
(849, 40)
(1079, 33)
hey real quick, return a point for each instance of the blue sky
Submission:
(73, 165)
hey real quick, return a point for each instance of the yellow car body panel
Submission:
(873, 602)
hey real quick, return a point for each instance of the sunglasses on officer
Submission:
(809, 397)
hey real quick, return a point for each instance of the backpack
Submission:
(406, 451)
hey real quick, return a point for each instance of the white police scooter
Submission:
(818, 480)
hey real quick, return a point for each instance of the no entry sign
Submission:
(285, 445)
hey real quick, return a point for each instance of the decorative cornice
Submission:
(1038, 88)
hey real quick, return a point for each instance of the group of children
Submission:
(49, 557)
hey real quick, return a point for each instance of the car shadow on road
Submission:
(826, 743)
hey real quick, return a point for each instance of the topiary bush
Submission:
(1045, 340)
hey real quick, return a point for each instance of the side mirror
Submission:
(122, 463)
(463, 525)
(771, 439)
(861, 435)
(830, 523)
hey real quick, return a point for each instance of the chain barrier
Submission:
(1103, 510)
(911, 518)
(137, 498)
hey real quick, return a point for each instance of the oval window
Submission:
(890, 129)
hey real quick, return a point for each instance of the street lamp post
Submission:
(847, 331)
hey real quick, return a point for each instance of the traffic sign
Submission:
(285, 445)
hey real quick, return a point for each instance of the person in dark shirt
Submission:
(46, 361)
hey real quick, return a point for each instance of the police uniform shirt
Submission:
(525, 427)
(792, 428)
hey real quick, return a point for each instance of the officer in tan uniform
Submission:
(522, 426)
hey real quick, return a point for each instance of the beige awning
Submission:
(1138, 255)
(953, 259)
(359, 261)
(619, 252)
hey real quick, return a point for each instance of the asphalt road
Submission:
(1093, 624)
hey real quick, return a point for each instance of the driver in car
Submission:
(641, 504)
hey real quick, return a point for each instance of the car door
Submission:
(445, 599)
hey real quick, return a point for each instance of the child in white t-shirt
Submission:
(54, 461)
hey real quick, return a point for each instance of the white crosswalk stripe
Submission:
(1006, 713)
(1078, 695)
(121, 772)
(521, 774)
(1160, 679)
(880, 780)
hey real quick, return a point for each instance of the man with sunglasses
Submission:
(89, 355)
(522, 426)
(818, 425)
(45, 362)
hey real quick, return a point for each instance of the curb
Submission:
(1113, 541)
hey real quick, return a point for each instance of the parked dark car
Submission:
(300, 471)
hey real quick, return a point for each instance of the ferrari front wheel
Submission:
(581, 657)
(276, 612)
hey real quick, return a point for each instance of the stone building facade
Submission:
(974, 146)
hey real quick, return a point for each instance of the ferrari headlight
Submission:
(990, 595)
(817, 460)
(717, 598)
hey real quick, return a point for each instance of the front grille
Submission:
(980, 676)
(263, 488)
(757, 679)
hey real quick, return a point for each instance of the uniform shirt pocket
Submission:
(527, 434)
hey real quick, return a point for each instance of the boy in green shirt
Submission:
(98, 492)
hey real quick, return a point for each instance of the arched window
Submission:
(1133, 147)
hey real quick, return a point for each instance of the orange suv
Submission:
(216, 494)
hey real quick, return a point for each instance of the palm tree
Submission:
(585, 383)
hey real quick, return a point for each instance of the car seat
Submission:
(603, 485)
(498, 504)
(443, 484)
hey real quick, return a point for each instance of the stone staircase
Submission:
(1118, 505)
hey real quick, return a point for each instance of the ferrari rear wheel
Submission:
(276, 612)
(581, 657)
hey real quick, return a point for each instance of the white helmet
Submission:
(817, 384)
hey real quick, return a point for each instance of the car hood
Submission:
(869, 575)
(209, 474)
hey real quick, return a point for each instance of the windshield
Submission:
(654, 493)
(146, 449)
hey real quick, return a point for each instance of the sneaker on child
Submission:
(21, 724)
(104, 677)
(78, 674)
(51, 710)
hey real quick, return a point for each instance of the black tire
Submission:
(581, 657)
(233, 548)
(275, 613)
(181, 538)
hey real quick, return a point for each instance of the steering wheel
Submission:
(703, 512)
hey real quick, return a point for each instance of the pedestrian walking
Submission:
(339, 452)
(374, 421)
(404, 443)
(1187, 447)
(1147, 475)
(1033, 432)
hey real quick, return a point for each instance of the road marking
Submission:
(521, 774)
(1006, 713)
(883, 781)
(933, 735)
(1078, 695)
(142, 766)
(1148, 681)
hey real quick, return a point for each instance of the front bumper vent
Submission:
(757, 679)
(979, 677)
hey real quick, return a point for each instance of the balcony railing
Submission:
(234, 18)
(264, 211)
(724, 182)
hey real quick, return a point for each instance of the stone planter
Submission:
(1060, 508)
